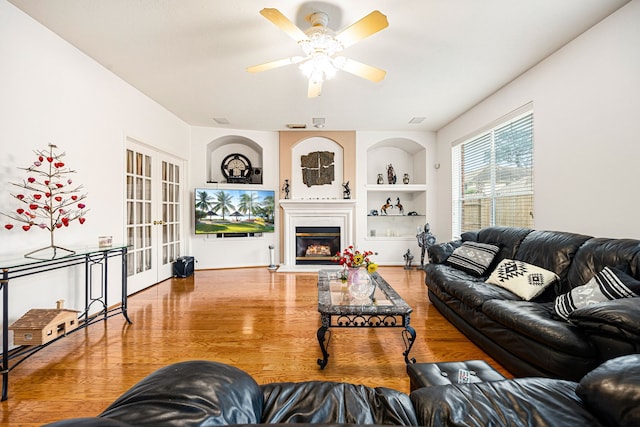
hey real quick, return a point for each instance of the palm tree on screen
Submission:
(248, 203)
(223, 203)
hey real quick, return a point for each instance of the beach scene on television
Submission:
(233, 211)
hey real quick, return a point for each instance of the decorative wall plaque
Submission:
(318, 168)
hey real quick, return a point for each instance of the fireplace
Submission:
(316, 245)
(316, 214)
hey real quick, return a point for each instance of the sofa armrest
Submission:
(439, 252)
(612, 391)
(195, 392)
(620, 318)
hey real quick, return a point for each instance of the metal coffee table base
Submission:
(364, 321)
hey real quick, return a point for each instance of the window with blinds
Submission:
(493, 177)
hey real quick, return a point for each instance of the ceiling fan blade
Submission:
(367, 26)
(315, 89)
(274, 64)
(363, 70)
(282, 22)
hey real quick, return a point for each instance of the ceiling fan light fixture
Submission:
(318, 68)
(320, 44)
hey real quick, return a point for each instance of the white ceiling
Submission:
(441, 56)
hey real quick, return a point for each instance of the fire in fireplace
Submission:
(317, 245)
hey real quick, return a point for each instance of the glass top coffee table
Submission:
(338, 309)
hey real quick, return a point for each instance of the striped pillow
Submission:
(473, 258)
(607, 285)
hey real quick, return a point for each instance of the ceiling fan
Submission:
(321, 45)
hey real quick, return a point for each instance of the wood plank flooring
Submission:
(262, 322)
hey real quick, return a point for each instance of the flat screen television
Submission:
(233, 212)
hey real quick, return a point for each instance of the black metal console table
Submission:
(337, 310)
(95, 264)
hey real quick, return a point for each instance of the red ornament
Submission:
(37, 196)
(59, 185)
(81, 220)
(58, 198)
(65, 221)
(26, 227)
(58, 224)
(81, 205)
(31, 179)
(74, 198)
(33, 206)
(20, 196)
(20, 211)
(10, 226)
(49, 159)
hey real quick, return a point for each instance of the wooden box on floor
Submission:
(41, 325)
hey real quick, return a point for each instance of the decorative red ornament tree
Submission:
(47, 200)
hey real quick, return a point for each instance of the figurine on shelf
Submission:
(380, 179)
(346, 191)
(383, 209)
(405, 178)
(425, 240)
(286, 188)
(399, 206)
(391, 174)
(408, 259)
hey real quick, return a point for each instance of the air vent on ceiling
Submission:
(416, 120)
(221, 120)
(296, 126)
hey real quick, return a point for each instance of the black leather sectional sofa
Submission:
(204, 393)
(529, 337)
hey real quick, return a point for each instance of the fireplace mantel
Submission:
(318, 213)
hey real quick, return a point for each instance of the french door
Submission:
(153, 214)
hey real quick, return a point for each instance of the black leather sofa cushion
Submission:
(508, 238)
(551, 250)
(469, 289)
(190, 393)
(599, 252)
(438, 254)
(538, 322)
(526, 402)
(611, 391)
(322, 402)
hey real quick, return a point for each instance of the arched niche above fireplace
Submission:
(220, 148)
(332, 190)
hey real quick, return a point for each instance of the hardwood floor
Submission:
(264, 323)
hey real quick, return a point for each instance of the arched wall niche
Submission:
(329, 190)
(404, 154)
(219, 148)
(292, 142)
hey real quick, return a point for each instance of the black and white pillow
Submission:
(473, 258)
(523, 279)
(609, 284)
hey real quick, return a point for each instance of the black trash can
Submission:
(183, 266)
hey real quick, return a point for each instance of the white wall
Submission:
(53, 93)
(586, 100)
(210, 251)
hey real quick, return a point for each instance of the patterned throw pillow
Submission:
(607, 285)
(473, 258)
(525, 280)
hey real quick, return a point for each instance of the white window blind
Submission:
(493, 177)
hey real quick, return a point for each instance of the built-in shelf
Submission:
(392, 234)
